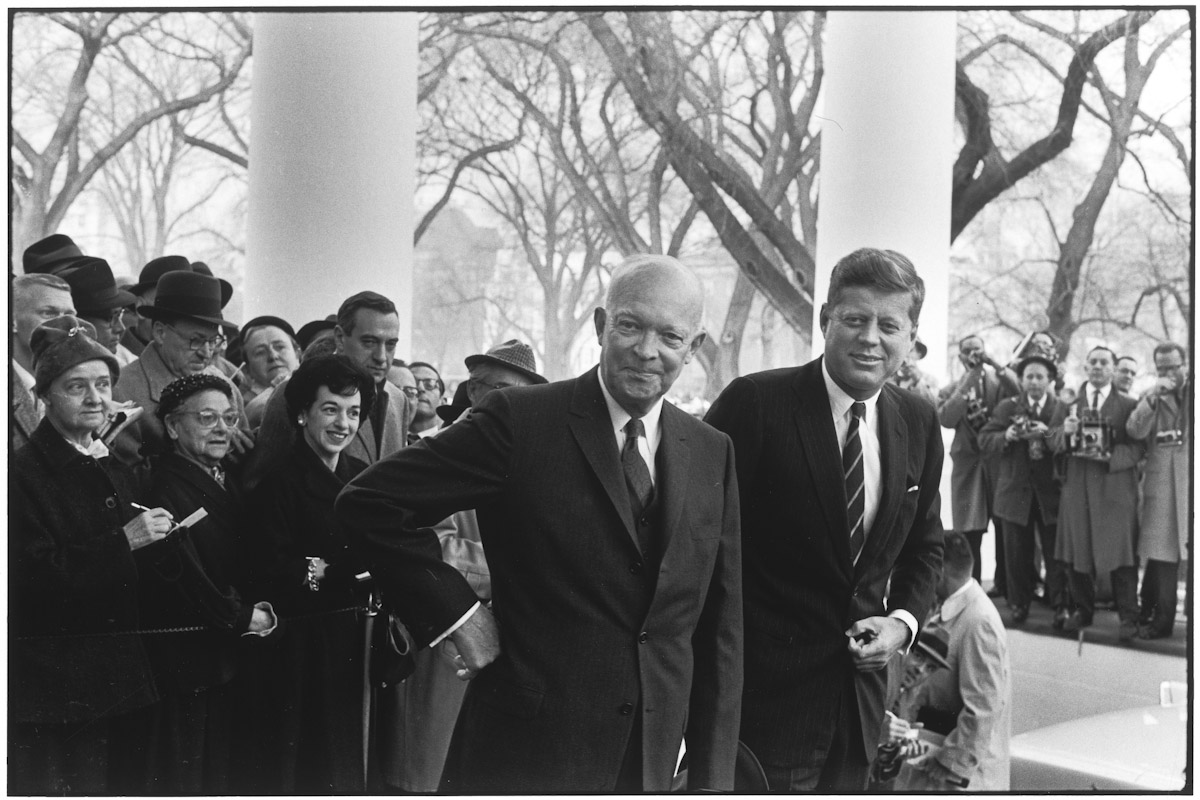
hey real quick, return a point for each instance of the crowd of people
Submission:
(251, 559)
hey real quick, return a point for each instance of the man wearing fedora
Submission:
(187, 330)
(971, 702)
(36, 298)
(98, 300)
(431, 697)
(146, 288)
(367, 330)
(51, 255)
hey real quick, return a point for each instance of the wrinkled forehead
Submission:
(265, 334)
(208, 400)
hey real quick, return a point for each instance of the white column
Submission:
(886, 152)
(332, 163)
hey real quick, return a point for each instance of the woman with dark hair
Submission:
(187, 593)
(79, 680)
(315, 706)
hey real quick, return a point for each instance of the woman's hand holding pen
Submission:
(148, 527)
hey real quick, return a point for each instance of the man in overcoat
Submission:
(838, 473)
(1163, 419)
(1027, 491)
(610, 522)
(965, 407)
(1097, 519)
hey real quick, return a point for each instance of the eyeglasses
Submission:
(209, 419)
(410, 391)
(198, 342)
(429, 384)
(481, 382)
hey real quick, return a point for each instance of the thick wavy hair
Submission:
(338, 374)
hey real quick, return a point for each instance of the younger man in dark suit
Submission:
(610, 523)
(838, 473)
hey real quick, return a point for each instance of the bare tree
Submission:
(84, 78)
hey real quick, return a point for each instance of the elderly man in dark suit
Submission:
(838, 473)
(610, 521)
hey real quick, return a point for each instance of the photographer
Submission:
(1098, 512)
(1163, 419)
(1027, 493)
(966, 406)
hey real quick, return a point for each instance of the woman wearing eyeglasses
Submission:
(314, 714)
(188, 583)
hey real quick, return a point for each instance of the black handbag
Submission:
(392, 651)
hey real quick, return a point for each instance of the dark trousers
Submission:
(1124, 585)
(1019, 548)
(1159, 598)
(845, 768)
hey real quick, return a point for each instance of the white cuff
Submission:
(457, 625)
(909, 620)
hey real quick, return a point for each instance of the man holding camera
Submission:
(1163, 419)
(966, 406)
(1027, 492)
(1097, 524)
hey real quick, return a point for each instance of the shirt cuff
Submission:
(909, 620)
(459, 624)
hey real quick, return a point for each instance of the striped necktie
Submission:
(637, 474)
(852, 468)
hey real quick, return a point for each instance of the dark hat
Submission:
(187, 295)
(512, 354)
(259, 322)
(1037, 358)
(94, 289)
(180, 389)
(56, 252)
(460, 403)
(62, 343)
(202, 268)
(309, 330)
(157, 267)
(935, 643)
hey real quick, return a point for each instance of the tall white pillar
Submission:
(886, 152)
(332, 163)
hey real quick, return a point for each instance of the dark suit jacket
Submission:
(588, 633)
(1018, 477)
(801, 590)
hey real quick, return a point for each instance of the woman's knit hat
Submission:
(62, 343)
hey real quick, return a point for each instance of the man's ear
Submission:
(339, 336)
(600, 317)
(824, 318)
(694, 347)
(158, 331)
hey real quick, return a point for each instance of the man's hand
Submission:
(478, 643)
(927, 762)
(874, 640)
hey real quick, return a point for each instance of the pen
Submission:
(139, 506)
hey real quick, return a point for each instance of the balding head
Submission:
(649, 328)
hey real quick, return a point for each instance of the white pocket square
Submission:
(913, 488)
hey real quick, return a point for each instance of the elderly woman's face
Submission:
(331, 421)
(200, 427)
(77, 400)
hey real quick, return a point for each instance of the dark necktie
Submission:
(1095, 399)
(637, 474)
(852, 468)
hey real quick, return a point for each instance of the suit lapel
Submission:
(893, 453)
(673, 461)
(818, 441)
(592, 429)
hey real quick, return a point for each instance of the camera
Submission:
(973, 359)
(1095, 436)
(1169, 438)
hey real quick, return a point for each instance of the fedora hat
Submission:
(935, 644)
(157, 267)
(512, 354)
(94, 289)
(461, 402)
(52, 254)
(187, 295)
